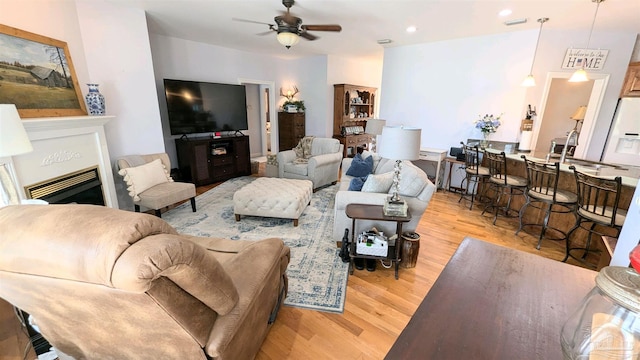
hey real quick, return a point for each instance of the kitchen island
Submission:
(566, 181)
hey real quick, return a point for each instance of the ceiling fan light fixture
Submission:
(288, 39)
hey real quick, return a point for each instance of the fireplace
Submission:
(70, 161)
(80, 187)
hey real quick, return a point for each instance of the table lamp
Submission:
(374, 128)
(13, 141)
(398, 143)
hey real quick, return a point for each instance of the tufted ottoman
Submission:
(273, 197)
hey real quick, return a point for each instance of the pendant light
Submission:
(581, 74)
(529, 80)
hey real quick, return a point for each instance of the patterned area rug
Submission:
(317, 276)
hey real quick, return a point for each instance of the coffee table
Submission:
(374, 212)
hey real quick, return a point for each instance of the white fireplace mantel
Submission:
(62, 145)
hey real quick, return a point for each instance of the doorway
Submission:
(560, 99)
(266, 125)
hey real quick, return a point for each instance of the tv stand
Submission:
(206, 161)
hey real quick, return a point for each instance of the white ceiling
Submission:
(366, 21)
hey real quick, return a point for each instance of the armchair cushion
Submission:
(360, 167)
(143, 177)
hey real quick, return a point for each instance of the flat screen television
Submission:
(203, 107)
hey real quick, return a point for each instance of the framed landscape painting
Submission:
(37, 75)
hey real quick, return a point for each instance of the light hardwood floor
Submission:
(377, 306)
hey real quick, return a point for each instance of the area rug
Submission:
(317, 276)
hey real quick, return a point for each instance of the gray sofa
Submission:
(415, 188)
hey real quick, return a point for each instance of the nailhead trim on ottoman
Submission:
(273, 197)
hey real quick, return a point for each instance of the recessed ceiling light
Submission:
(505, 12)
(411, 29)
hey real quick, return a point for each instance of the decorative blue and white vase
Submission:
(95, 101)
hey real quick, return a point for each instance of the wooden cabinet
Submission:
(205, 160)
(631, 85)
(353, 105)
(352, 143)
(291, 129)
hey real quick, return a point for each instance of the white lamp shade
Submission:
(400, 143)
(13, 136)
(288, 39)
(580, 113)
(374, 126)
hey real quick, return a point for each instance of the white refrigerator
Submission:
(623, 142)
(630, 233)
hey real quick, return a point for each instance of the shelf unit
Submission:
(353, 105)
(206, 160)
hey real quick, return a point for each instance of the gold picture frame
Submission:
(37, 75)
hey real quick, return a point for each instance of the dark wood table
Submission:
(375, 212)
(492, 302)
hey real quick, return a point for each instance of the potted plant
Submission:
(297, 104)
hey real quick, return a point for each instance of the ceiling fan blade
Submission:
(251, 21)
(308, 36)
(322, 27)
(266, 32)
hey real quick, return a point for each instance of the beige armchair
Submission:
(322, 167)
(149, 184)
(104, 283)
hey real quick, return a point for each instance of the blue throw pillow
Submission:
(356, 183)
(360, 167)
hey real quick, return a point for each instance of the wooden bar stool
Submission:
(543, 194)
(474, 173)
(503, 184)
(598, 199)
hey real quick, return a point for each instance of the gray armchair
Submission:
(322, 167)
(162, 192)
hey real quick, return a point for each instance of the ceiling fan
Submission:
(290, 28)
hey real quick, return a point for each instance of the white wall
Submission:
(443, 87)
(551, 51)
(114, 41)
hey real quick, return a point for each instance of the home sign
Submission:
(590, 59)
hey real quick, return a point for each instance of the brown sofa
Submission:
(103, 283)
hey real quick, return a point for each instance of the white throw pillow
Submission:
(378, 183)
(412, 180)
(143, 177)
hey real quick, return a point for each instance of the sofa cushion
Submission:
(378, 183)
(360, 167)
(412, 180)
(376, 159)
(143, 177)
(356, 183)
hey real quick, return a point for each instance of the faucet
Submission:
(573, 133)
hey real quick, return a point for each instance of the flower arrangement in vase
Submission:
(487, 124)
